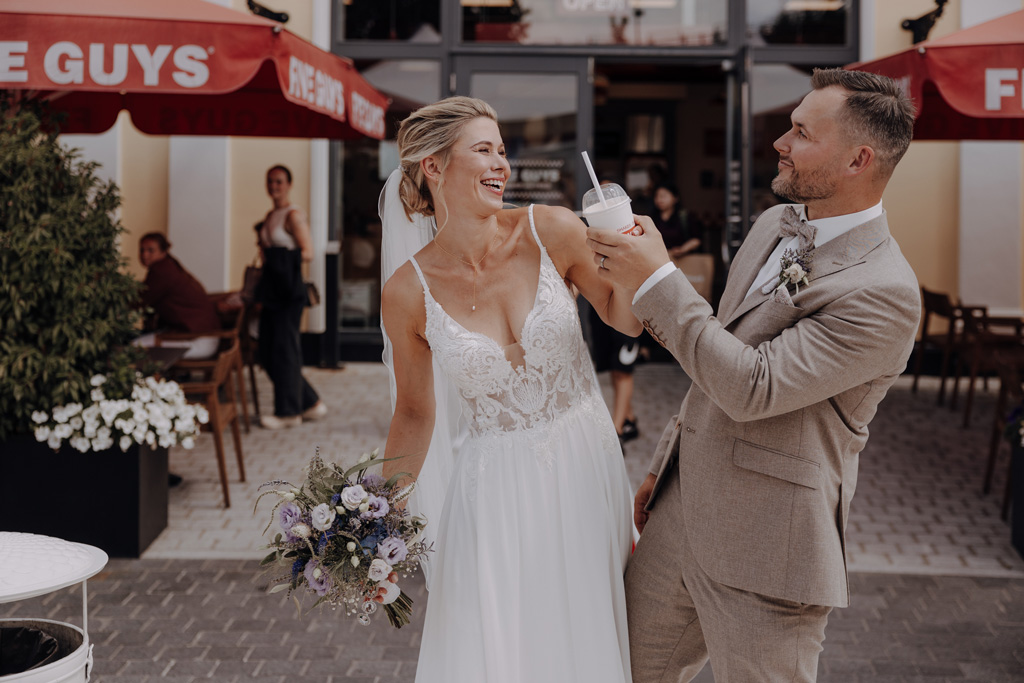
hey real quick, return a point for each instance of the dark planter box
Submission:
(1017, 498)
(113, 500)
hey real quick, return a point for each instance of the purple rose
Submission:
(378, 507)
(317, 577)
(392, 550)
(288, 515)
(372, 480)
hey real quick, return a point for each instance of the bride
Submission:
(523, 484)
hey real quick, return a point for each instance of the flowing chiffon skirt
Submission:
(527, 575)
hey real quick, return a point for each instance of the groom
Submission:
(743, 515)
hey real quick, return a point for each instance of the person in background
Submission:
(673, 222)
(286, 244)
(179, 302)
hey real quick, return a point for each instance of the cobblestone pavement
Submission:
(938, 591)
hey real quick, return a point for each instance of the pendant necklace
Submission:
(472, 265)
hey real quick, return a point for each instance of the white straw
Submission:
(593, 179)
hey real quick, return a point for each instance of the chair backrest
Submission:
(938, 303)
(226, 361)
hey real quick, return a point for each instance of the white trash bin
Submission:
(33, 565)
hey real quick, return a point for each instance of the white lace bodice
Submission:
(556, 374)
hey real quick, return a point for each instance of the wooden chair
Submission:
(233, 322)
(939, 305)
(223, 413)
(985, 339)
(1011, 392)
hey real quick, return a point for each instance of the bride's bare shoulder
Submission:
(402, 293)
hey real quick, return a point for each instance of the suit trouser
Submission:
(679, 617)
(281, 357)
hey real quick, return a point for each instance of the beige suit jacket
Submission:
(768, 436)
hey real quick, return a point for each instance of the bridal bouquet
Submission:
(343, 537)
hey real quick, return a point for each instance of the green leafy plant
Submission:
(66, 302)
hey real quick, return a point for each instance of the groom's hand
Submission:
(643, 495)
(628, 260)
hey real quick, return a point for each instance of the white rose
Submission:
(80, 443)
(188, 442)
(353, 496)
(97, 380)
(63, 431)
(323, 516)
(53, 441)
(795, 273)
(39, 417)
(42, 433)
(393, 591)
(125, 443)
(96, 395)
(379, 570)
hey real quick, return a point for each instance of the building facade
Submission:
(692, 92)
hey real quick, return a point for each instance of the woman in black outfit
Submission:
(286, 244)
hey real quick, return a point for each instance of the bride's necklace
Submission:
(474, 266)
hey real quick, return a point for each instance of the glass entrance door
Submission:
(545, 110)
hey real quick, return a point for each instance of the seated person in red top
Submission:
(179, 301)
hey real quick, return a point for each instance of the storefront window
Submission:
(797, 22)
(366, 164)
(414, 21)
(595, 22)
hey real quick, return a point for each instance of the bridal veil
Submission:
(401, 239)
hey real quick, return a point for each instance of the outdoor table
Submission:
(32, 565)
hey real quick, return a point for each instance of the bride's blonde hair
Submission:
(433, 130)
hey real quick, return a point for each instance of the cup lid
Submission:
(32, 565)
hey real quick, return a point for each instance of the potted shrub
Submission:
(67, 316)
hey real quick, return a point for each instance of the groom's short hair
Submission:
(877, 113)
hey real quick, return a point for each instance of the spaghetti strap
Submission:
(533, 226)
(419, 274)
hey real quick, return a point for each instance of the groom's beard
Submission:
(801, 188)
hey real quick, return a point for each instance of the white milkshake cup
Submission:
(615, 213)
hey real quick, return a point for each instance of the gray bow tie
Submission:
(793, 226)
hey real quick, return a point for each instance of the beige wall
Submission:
(143, 188)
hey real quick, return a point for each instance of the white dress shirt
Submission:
(828, 229)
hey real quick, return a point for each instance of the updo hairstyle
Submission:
(432, 130)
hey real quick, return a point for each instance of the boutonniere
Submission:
(795, 269)
(796, 266)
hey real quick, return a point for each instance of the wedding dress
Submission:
(531, 544)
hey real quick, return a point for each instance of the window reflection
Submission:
(415, 21)
(794, 22)
(595, 22)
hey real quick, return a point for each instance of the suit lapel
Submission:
(849, 249)
(761, 242)
(838, 254)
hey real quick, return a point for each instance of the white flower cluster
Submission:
(157, 414)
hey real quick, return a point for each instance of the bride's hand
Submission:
(643, 495)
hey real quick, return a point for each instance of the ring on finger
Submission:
(601, 265)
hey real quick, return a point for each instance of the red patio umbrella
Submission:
(187, 67)
(968, 85)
